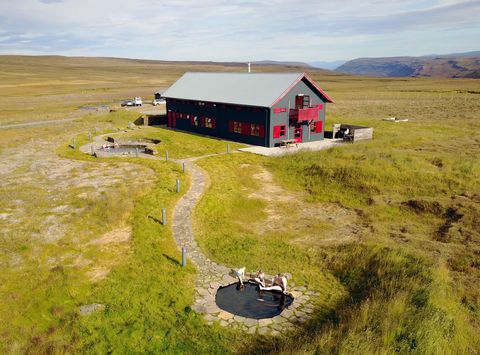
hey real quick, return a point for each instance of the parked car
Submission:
(128, 103)
(156, 102)
(137, 101)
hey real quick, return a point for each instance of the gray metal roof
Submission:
(252, 89)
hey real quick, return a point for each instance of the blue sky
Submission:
(222, 30)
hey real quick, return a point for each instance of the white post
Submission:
(164, 216)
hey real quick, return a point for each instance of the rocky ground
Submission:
(43, 199)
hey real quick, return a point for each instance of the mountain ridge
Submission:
(455, 65)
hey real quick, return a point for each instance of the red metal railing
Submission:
(304, 114)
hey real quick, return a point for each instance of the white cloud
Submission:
(237, 30)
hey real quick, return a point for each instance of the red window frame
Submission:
(316, 127)
(279, 131)
(237, 127)
(255, 129)
(262, 131)
(246, 129)
(279, 110)
(209, 122)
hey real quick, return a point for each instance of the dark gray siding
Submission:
(288, 101)
(222, 114)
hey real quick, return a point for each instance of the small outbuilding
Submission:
(266, 109)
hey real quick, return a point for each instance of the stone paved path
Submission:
(211, 275)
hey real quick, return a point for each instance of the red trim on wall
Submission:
(288, 90)
(327, 98)
(318, 127)
(261, 130)
(279, 131)
(230, 126)
(279, 109)
(246, 128)
(276, 131)
(318, 88)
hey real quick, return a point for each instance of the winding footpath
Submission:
(211, 275)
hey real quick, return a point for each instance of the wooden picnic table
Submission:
(287, 142)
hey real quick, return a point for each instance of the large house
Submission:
(264, 109)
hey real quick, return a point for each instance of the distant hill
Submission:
(328, 65)
(458, 65)
(288, 64)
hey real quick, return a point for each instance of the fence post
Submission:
(184, 256)
(166, 155)
(164, 216)
(136, 152)
(228, 148)
(183, 167)
(178, 185)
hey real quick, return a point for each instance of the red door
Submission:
(299, 102)
(297, 133)
(173, 121)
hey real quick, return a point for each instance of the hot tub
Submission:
(250, 302)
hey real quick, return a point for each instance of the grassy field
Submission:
(106, 247)
(386, 231)
(181, 145)
(54, 87)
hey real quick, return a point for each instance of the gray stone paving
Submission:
(211, 275)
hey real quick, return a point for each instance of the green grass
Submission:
(409, 283)
(148, 294)
(182, 144)
(378, 295)
(148, 297)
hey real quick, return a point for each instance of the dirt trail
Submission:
(315, 223)
(37, 123)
